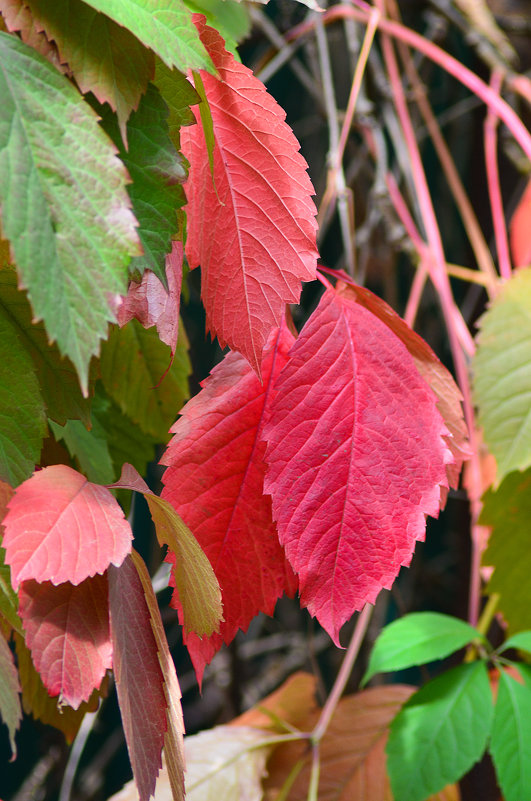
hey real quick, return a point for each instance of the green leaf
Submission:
(156, 171)
(134, 370)
(9, 599)
(511, 739)
(57, 377)
(440, 732)
(508, 511)
(65, 208)
(10, 709)
(521, 641)
(89, 448)
(163, 25)
(502, 369)
(179, 95)
(22, 418)
(206, 121)
(104, 57)
(416, 639)
(228, 17)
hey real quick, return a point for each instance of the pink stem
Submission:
(493, 182)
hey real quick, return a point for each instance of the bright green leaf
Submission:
(229, 17)
(511, 739)
(179, 95)
(502, 370)
(440, 732)
(104, 57)
(134, 371)
(90, 448)
(508, 511)
(22, 418)
(10, 710)
(9, 599)
(68, 219)
(56, 375)
(416, 639)
(521, 641)
(163, 25)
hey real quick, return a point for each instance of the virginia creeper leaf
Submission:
(22, 417)
(57, 377)
(69, 222)
(258, 211)
(435, 374)
(215, 479)
(519, 230)
(508, 511)
(356, 456)
(291, 704)
(104, 57)
(88, 447)
(440, 732)
(192, 574)
(10, 710)
(37, 702)
(179, 95)
(139, 374)
(229, 17)
(173, 741)
(521, 641)
(502, 370)
(138, 675)
(60, 527)
(156, 171)
(8, 597)
(163, 25)
(416, 639)
(67, 632)
(511, 738)
(151, 304)
(18, 17)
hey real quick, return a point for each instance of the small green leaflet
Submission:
(511, 738)
(520, 641)
(416, 639)
(163, 25)
(508, 511)
(502, 370)
(22, 418)
(69, 222)
(440, 732)
(134, 371)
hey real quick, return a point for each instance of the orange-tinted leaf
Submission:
(292, 704)
(61, 527)
(520, 230)
(252, 230)
(67, 632)
(18, 17)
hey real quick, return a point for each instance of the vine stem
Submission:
(344, 672)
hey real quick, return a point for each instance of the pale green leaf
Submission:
(416, 639)
(163, 25)
(511, 739)
(440, 732)
(22, 417)
(508, 511)
(520, 641)
(65, 208)
(89, 447)
(10, 709)
(136, 373)
(502, 374)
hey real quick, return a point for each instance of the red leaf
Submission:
(215, 482)
(253, 232)
(355, 455)
(520, 230)
(151, 304)
(138, 676)
(67, 632)
(61, 527)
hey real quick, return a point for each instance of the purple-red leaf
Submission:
(61, 527)
(356, 457)
(67, 632)
(138, 676)
(251, 226)
(215, 481)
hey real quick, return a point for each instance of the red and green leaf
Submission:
(252, 228)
